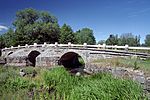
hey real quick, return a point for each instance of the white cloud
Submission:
(3, 28)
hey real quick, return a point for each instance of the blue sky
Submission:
(102, 16)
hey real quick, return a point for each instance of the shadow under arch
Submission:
(71, 61)
(9, 53)
(31, 59)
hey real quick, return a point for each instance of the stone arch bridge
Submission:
(65, 54)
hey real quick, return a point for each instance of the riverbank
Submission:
(58, 84)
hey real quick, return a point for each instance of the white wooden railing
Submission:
(85, 45)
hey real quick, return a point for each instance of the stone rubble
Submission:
(22, 73)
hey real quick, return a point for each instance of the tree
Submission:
(26, 16)
(147, 40)
(66, 34)
(130, 39)
(137, 40)
(112, 40)
(2, 44)
(35, 26)
(8, 39)
(101, 42)
(46, 17)
(85, 35)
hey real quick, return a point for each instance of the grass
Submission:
(58, 84)
(134, 63)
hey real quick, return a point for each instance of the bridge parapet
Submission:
(6, 51)
(49, 53)
(98, 46)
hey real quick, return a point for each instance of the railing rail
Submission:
(85, 45)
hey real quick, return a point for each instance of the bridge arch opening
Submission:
(72, 61)
(31, 60)
(9, 53)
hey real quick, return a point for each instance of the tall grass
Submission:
(134, 63)
(58, 84)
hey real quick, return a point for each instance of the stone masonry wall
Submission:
(16, 61)
(47, 61)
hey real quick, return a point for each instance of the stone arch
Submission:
(70, 60)
(9, 53)
(6, 54)
(31, 59)
(80, 53)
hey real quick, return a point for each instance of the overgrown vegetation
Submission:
(135, 63)
(58, 84)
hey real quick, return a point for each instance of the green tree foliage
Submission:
(26, 16)
(46, 17)
(8, 39)
(112, 40)
(147, 40)
(2, 44)
(130, 39)
(66, 34)
(85, 35)
(34, 26)
(101, 42)
(126, 38)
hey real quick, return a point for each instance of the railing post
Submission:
(69, 44)
(99, 46)
(84, 45)
(11, 47)
(56, 44)
(26, 46)
(35, 44)
(115, 47)
(18, 46)
(126, 47)
(44, 45)
(104, 46)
